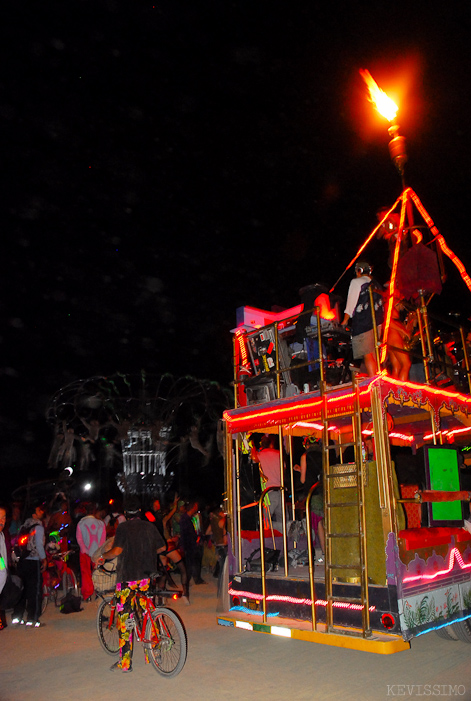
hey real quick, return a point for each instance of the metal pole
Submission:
(239, 539)
(277, 363)
(319, 342)
(466, 357)
(234, 363)
(283, 499)
(262, 552)
(425, 359)
(375, 328)
(310, 551)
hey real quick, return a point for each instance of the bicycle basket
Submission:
(104, 577)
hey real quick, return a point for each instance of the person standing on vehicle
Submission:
(136, 544)
(358, 309)
(30, 569)
(268, 457)
(311, 473)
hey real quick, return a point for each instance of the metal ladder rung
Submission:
(342, 535)
(346, 599)
(354, 472)
(342, 503)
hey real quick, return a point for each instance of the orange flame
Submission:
(326, 311)
(385, 106)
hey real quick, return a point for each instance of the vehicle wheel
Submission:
(107, 634)
(45, 599)
(69, 583)
(463, 630)
(166, 642)
(447, 633)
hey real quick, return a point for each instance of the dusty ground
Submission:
(64, 660)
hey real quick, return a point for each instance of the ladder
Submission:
(334, 533)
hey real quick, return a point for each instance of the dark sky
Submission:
(167, 162)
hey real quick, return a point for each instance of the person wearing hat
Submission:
(137, 545)
(358, 310)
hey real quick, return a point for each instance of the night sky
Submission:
(167, 162)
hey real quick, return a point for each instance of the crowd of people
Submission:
(181, 538)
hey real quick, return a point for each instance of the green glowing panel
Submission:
(444, 475)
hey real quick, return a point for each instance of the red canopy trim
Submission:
(423, 395)
(308, 407)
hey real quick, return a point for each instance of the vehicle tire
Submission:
(463, 630)
(45, 599)
(167, 651)
(108, 637)
(447, 633)
(69, 583)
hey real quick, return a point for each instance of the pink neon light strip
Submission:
(425, 389)
(295, 600)
(454, 554)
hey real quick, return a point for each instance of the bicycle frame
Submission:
(135, 622)
(57, 568)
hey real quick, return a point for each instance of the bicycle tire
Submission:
(45, 599)
(69, 583)
(108, 637)
(168, 652)
(463, 630)
(447, 633)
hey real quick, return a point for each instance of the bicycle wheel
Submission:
(166, 642)
(45, 599)
(107, 635)
(69, 583)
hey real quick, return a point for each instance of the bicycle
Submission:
(158, 628)
(58, 579)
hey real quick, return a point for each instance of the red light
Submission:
(294, 600)
(244, 358)
(387, 619)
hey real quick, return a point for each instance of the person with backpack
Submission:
(31, 565)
